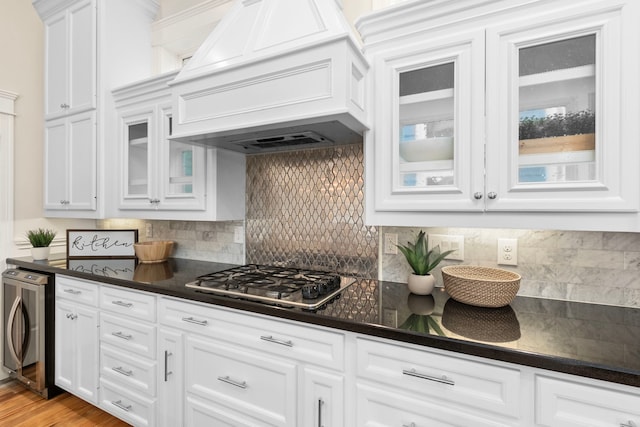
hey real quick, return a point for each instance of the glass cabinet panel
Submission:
(426, 126)
(557, 87)
(138, 159)
(180, 179)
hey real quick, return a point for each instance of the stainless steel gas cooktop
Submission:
(283, 286)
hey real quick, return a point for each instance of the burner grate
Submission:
(276, 285)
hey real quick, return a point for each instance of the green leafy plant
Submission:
(422, 323)
(421, 260)
(41, 238)
(574, 123)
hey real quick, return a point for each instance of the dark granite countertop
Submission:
(594, 341)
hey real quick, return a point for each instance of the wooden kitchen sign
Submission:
(101, 243)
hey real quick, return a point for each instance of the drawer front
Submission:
(377, 407)
(445, 377)
(81, 291)
(130, 335)
(305, 343)
(562, 403)
(130, 407)
(199, 412)
(131, 303)
(129, 371)
(254, 384)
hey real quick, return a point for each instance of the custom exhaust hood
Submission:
(274, 75)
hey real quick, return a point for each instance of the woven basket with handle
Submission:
(480, 286)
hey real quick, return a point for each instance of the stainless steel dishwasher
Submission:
(27, 331)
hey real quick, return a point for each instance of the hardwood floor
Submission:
(20, 407)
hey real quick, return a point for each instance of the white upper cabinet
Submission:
(70, 169)
(157, 173)
(91, 46)
(164, 179)
(484, 109)
(70, 63)
(560, 129)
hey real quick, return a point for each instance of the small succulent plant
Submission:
(41, 237)
(421, 260)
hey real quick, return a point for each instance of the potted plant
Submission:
(571, 131)
(40, 239)
(422, 261)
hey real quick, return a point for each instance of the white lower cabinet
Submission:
(322, 395)
(255, 385)
(161, 361)
(76, 344)
(242, 369)
(389, 407)
(568, 403)
(133, 407)
(128, 365)
(398, 384)
(171, 378)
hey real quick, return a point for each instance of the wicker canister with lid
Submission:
(481, 286)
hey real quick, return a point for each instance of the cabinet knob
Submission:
(492, 195)
(477, 195)
(64, 106)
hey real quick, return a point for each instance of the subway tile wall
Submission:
(594, 267)
(200, 240)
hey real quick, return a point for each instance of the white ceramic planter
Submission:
(40, 253)
(421, 285)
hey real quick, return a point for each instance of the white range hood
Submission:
(274, 75)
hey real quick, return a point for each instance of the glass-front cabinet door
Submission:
(555, 134)
(137, 131)
(181, 175)
(429, 151)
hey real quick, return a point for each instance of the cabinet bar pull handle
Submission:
(409, 425)
(320, 402)
(122, 303)
(270, 338)
(166, 365)
(196, 321)
(228, 380)
(628, 424)
(120, 405)
(120, 370)
(122, 335)
(443, 379)
(72, 292)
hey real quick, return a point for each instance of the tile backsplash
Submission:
(305, 209)
(594, 267)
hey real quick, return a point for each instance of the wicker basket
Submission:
(480, 286)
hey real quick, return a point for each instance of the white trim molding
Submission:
(7, 115)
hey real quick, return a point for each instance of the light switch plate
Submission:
(448, 242)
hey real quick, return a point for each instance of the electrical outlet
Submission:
(390, 242)
(448, 242)
(148, 230)
(238, 235)
(508, 251)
